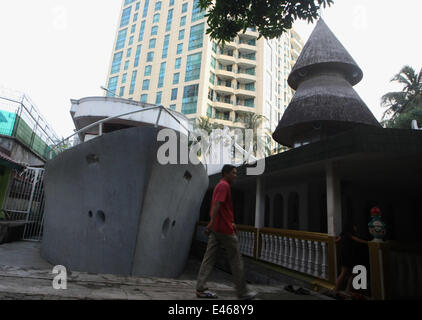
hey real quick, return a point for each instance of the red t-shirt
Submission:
(225, 217)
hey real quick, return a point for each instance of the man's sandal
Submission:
(206, 294)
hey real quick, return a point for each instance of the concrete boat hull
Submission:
(112, 208)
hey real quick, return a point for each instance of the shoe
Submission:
(206, 294)
(302, 292)
(289, 288)
(249, 296)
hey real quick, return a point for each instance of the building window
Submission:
(126, 65)
(112, 86)
(152, 43)
(154, 30)
(174, 94)
(150, 56)
(176, 77)
(128, 53)
(181, 34)
(169, 20)
(117, 61)
(132, 30)
(121, 39)
(141, 32)
(137, 6)
(172, 107)
(145, 84)
(197, 13)
(144, 98)
(158, 98)
(178, 63)
(212, 78)
(156, 18)
(130, 40)
(193, 67)
(162, 75)
(213, 62)
(137, 56)
(148, 70)
(196, 37)
(190, 99)
(184, 7)
(145, 9)
(125, 17)
(158, 5)
(133, 82)
(124, 78)
(182, 21)
(179, 48)
(122, 91)
(165, 46)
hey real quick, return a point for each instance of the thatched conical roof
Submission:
(325, 102)
(323, 50)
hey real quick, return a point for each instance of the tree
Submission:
(403, 105)
(271, 18)
(253, 121)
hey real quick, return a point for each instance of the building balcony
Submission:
(246, 62)
(249, 34)
(246, 48)
(244, 109)
(225, 59)
(224, 74)
(223, 90)
(245, 77)
(223, 105)
(245, 94)
(230, 45)
(223, 121)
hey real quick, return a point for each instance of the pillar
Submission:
(334, 224)
(260, 204)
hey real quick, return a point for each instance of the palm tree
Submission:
(253, 121)
(399, 103)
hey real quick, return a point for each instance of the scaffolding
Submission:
(20, 118)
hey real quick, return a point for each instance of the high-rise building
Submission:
(162, 55)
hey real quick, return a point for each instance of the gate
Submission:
(24, 201)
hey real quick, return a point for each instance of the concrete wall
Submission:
(106, 201)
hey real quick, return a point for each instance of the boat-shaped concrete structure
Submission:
(111, 207)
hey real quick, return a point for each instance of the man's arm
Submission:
(214, 213)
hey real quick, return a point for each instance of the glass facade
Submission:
(190, 99)
(193, 67)
(196, 37)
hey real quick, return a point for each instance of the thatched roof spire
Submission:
(325, 102)
(324, 48)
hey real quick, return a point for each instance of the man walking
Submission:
(221, 231)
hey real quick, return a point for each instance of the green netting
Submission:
(7, 122)
(39, 145)
(24, 132)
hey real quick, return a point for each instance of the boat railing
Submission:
(73, 140)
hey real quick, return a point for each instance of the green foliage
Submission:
(271, 18)
(404, 120)
(406, 105)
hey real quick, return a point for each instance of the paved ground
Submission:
(25, 275)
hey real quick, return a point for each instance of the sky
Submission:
(57, 50)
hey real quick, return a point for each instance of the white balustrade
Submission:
(324, 273)
(310, 257)
(297, 260)
(291, 253)
(303, 260)
(285, 252)
(280, 251)
(317, 260)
